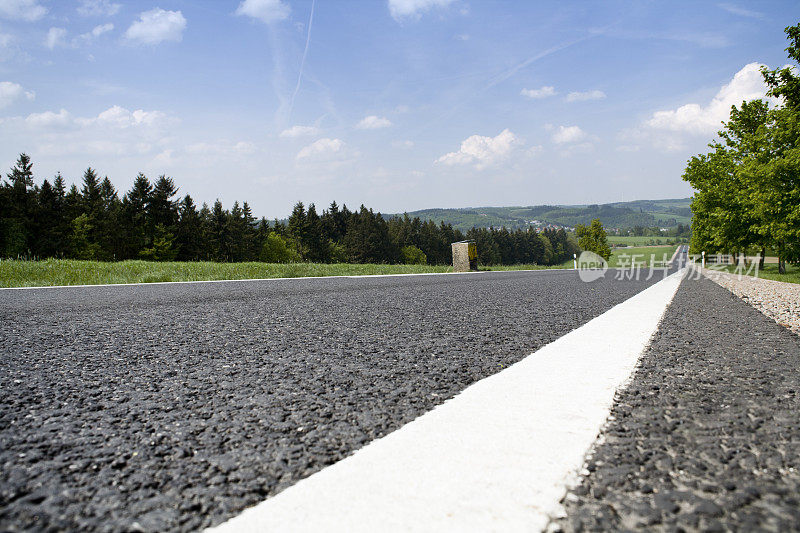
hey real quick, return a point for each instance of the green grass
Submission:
(639, 241)
(565, 264)
(771, 272)
(15, 273)
(622, 257)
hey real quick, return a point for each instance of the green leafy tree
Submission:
(748, 188)
(593, 238)
(277, 250)
(411, 255)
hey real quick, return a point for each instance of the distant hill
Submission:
(648, 213)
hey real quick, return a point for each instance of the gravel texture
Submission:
(776, 299)
(707, 434)
(173, 407)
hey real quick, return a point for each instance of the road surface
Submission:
(175, 406)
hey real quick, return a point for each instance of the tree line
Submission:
(151, 222)
(748, 186)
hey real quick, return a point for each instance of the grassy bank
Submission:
(72, 272)
(51, 272)
(771, 272)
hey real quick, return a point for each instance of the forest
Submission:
(151, 222)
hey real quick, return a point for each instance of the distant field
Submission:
(622, 257)
(640, 241)
(52, 272)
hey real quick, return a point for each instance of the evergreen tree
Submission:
(19, 202)
(314, 242)
(219, 232)
(135, 222)
(189, 235)
(162, 208)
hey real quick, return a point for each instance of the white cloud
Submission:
(535, 150)
(55, 37)
(114, 117)
(28, 10)
(10, 92)
(299, 131)
(321, 148)
(115, 131)
(267, 11)
(122, 118)
(742, 12)
(157, 25)
(98, 8)
(373, 122)
(482, 151)
(577, 96)
(96, 32)
(747, 84)
(407, 145)
(49, 119)
(542, 92)
(568, 134)
(400, 9)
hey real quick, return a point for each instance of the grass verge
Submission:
(50, 272)
(771, 272)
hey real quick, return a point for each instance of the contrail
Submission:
(303, 61)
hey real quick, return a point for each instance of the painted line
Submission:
(677, 251)
(276, 279)
(497, 457)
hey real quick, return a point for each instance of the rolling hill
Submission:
(649, 213)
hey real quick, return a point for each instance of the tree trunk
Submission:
(782, 258)
(761, 259)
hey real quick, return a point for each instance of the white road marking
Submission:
(278, 279)
(497, 457)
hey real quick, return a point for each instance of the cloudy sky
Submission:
(397, 104)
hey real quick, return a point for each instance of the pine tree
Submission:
(135, 207)
(189, 234)
(297, 228)
(219, 230)
(18, 209)
(163, 209)
(90, 194)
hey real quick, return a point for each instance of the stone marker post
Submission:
(465, 256)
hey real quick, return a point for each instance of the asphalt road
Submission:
(707, 435)
(174, 407)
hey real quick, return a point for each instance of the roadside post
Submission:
(575, 261)
(703, 262)
(465, 256)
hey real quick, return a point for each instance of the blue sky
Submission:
(398, 104)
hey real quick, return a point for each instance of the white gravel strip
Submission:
(497, 457)
(776, 299)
